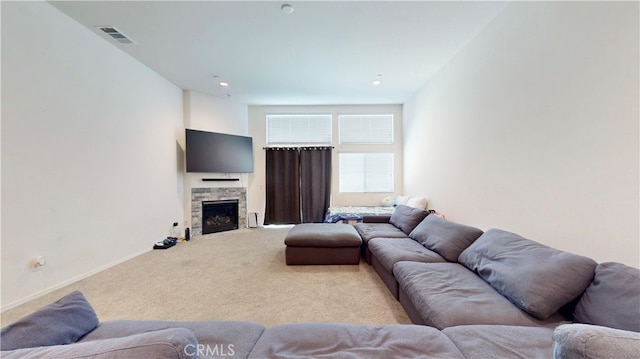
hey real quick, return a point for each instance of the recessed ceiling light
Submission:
(377, 82)
(286, 8)
(223, 84)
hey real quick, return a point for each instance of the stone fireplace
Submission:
(227, 199)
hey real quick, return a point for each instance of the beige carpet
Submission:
(236, 275)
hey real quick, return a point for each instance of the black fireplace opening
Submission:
(218, 216)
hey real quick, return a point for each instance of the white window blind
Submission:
(366, 129)
(366, 172)
(299, 129)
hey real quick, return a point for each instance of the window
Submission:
(366, 172)
(299, 129)
(366, 129)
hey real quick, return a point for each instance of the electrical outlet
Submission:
(37, 263)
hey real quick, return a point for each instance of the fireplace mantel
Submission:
(216, 194)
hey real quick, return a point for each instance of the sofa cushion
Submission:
(62, 322)
(329, 340)
(583, 341)
(448, 294)
(502, 341)
(407, 218)
(536, 278)
(368, 231)
(389, 251)
(612, 299)
(444, 237)
(179, 343)
(220, 335)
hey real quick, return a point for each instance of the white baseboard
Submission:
(70, 281)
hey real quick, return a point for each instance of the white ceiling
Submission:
(325, 52)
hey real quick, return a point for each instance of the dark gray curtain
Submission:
(282, 186)
(315, 183)
(298, 184)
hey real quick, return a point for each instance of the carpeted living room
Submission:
(235, 275)
(482, 157)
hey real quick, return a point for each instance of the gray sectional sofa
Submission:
(471, 294)
(481, 287)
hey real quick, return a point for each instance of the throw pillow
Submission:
(62, 322)
(612, 299)
(407, 218)
(402, 200)
(536, 278)
(446, 238)
(388, 201)
(417, 202)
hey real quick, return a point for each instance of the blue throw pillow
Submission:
(62, 322)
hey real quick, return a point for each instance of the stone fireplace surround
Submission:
(216, 194)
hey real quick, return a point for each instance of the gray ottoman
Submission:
(322, 243)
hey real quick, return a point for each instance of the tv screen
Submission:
(218, 152)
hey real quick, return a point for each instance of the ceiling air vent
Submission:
(115, 34)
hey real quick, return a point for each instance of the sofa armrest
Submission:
(584, 341)
(376, 219)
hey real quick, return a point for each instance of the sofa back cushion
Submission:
(536, 278)
(62, 322)
(171, 343)
(444, 237)
(612, 299)
(407, 218)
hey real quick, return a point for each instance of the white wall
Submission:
(210, 113)
(90, 175)
(257, 129)
(214, 114)
(533, 128)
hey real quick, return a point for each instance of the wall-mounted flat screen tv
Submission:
(218, 152)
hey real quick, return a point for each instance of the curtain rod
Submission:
(295, 147)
